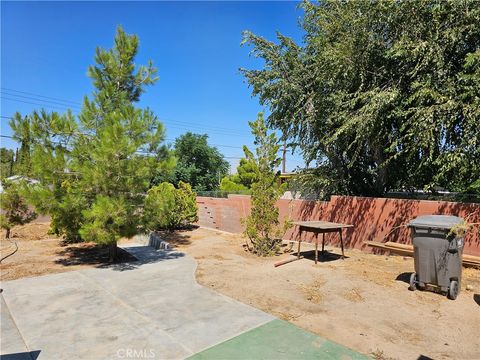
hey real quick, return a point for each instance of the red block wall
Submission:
(372, 218)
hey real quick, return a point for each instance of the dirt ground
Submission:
(40, 253)
(361, 302)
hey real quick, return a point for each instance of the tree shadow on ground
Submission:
(21, 356)
(98, 256)
(143, 255)
(322, 257)
(90, 254)
(177, 237)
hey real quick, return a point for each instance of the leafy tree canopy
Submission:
(381, 95)
(199, 164)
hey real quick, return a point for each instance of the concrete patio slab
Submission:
(11, 342)
(149, 307)
(152, 308)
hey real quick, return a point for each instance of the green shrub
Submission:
(228, 185)
(169, 208)
(186, 204)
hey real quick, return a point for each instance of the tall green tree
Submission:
(95, 169)
(381, 95)
(262, 226)
(199, 164)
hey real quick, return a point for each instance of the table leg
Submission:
(299, 241)
(323, 245)
(316, 248)
(341, 243)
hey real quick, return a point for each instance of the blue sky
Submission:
(46, 48)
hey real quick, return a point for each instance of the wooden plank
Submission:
(466, 258)
(472, 258)
(283, 262)
(405, 249)
(470, 263)
(377, 245)
(398, 245)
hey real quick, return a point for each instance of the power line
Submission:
(170, 139)
(138, 151)
(184, 127)
(217, 129)
(41, 100)
(42, 96)
(31, 103)
(166, 139)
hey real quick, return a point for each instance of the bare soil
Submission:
(362, 302)
(40, 253)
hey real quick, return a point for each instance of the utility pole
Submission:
(284, 160)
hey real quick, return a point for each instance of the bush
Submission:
(186, 204)
(228, 185)
(15, 210)
(169, 208)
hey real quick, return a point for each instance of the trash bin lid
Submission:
(436, 221)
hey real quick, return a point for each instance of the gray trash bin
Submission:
(437, 254)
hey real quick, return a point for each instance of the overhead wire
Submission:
(41, 96)
(55, 102)
(176, 123)
(166, 139)
(32, 103)
(139, 151)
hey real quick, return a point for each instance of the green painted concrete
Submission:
(277, 340)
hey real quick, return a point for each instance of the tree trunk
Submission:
(7, 234)
(112, 252)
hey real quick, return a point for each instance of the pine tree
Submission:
(262, 226)
(120, 135)
(96, 170)
(23, 163)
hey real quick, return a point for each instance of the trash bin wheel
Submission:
(413, 282)
(453, 290)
